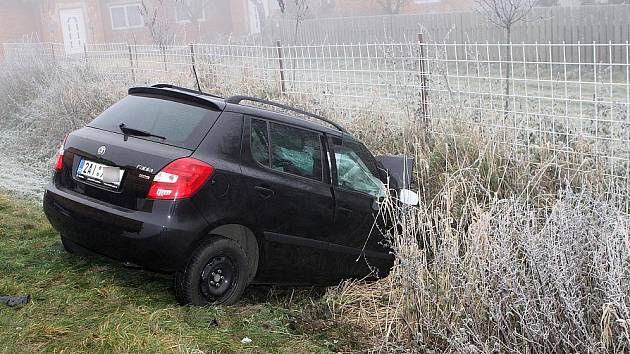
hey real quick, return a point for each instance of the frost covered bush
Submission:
(50, 99)
(41, 101)
(534, 270)
(506, 252)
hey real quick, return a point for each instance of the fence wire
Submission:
(520, 95)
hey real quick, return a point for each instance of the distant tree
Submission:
(158, 17)
(160, 26)
(282, 5)
(298, 10)
(392, 7)
(505, 14)
(192, 9)
(261, 12)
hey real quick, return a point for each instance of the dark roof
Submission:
(283, 118)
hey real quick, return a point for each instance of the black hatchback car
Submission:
(219, 193)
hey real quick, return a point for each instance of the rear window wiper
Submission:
(137, 132)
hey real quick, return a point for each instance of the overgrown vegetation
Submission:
(489, 274)
(505, 253)
(41, 102)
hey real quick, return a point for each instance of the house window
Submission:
(126, 16)
(187, 10)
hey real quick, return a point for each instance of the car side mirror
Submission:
(398, 167)
(408, 197)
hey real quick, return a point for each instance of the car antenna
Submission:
(197, 79)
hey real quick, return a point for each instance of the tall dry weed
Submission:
(500, 256)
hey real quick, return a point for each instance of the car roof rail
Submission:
(239, 99)
(185, 89)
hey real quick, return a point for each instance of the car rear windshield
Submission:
(180, 123)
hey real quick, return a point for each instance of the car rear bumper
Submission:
(160, 238)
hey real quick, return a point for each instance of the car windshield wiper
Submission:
(137, 132)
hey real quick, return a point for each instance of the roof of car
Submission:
(283, 118)
(219, 103)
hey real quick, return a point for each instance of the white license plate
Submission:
(99, 173)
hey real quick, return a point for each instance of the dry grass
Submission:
(501, 256)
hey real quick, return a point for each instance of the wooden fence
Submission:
(600, 24)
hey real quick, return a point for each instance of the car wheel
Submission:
(216, 274)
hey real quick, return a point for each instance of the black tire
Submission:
(217, 273)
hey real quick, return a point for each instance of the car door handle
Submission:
(264, 191)
(345, 211)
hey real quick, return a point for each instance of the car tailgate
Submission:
(138, 158)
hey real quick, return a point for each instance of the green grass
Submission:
(92, 305)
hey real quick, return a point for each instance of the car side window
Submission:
(296, 151)
(259, 142)
(356, 171)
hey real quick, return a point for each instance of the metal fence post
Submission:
(281, 65)
(133, 72)
(424, 87)
(85, 54)
(164, 59)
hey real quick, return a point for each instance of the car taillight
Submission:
(59, 157)
(180, 179)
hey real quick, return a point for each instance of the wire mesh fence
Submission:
(519, 95)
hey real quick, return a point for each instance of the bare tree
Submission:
(159, 18)
(282, 5)
(505, 14)
(260, 11)
(160, 27)
(192, 10)
(300, 10)
(263, 15)
(392, 6)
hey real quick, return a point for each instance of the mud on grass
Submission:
(92, 305)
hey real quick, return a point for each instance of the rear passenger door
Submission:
(290, 195)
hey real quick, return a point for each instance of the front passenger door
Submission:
(357, 242)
